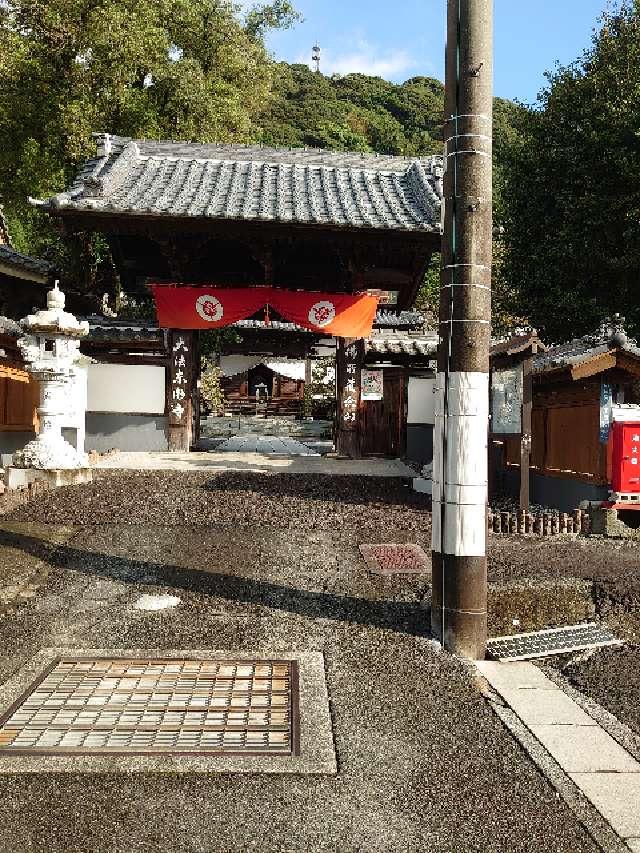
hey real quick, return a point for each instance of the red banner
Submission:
(205, 307)
(211, 308)
(330, 313)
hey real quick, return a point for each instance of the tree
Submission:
(572, 189)
(186, 69)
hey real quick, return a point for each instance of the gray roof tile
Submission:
(179, 179)
(23, 263)
(610, 336)
(383, 343)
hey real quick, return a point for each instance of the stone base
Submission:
(606, 522)
(421, 484)
(19, 478)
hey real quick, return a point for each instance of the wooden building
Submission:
(230, 215)
(24, 282)
(400, 423)
(575, 388)
(19, 395)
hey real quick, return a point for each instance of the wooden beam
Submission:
(600, 363)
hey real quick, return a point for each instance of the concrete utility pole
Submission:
(459, 604)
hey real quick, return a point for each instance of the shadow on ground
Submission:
(400, 616)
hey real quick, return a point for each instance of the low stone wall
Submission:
(11, 499)
(607, 522)
(539, 524)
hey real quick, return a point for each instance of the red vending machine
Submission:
(625, 464)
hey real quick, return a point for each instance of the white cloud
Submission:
(366, 59)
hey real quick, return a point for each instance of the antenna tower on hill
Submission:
(315, 57)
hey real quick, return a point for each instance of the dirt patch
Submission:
(529, 606)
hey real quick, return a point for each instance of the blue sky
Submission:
(405, 38)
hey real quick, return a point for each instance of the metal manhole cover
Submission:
(553, 641)
(396, 559)
(127, 705)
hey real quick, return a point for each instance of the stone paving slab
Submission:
(269, 444)
(255, 462)
(585, 749)
(542, 707)
(617, 797)
(599, 766)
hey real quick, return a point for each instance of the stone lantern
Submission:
(51, 348)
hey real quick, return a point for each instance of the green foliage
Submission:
(210, 388)
(183, 69)
(354, 113)
(212, 341)
(572, 189)
(428, 298)
(188, 69)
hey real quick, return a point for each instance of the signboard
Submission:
(506, 401)
(351, 389)
(179, 371)
(606, 405)
(372, 382)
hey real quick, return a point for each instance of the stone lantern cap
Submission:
(54, 320)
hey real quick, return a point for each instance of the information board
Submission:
(506, 401)
(372, 384)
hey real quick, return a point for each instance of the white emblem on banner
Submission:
(209, 308)
(322, 313)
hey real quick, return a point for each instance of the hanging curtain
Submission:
(210, 308)
(330, 313)
(206, 307)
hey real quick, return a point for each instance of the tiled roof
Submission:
(24, 264)
(104, 329)
(399, 344)
(9, 327)
(399, 319)
(234, 182)
(610, 336)
(272, 325)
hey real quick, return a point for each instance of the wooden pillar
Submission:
(526, 438)
(459, 562)
(349, 361)
(181, 381)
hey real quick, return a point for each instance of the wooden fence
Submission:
(539, 524)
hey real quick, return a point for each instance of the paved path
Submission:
(256, 462)
(597, 764)
(269, 444)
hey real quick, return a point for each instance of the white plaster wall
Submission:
(420, 400)
(126, 388)
(77, 405)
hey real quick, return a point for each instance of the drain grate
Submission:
(553, 641)
(130, 705)
(396, 559)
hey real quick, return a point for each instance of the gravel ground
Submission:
(270, 563)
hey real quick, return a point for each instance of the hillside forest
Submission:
(567, 169)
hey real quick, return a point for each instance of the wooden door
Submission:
(383, 421)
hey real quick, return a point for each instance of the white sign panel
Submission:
(126, 388)
(420, 400)
(506, 401)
